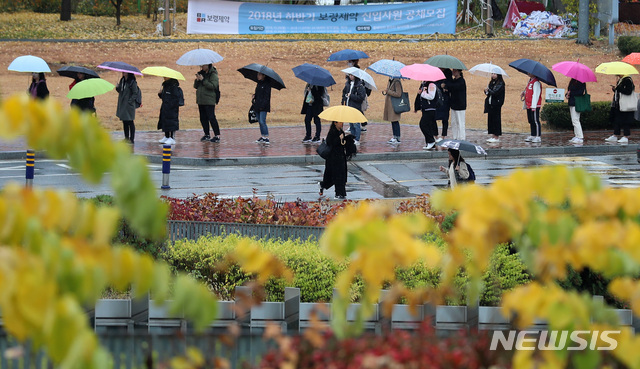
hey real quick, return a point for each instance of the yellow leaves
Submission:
(254, 260)
(192, 360)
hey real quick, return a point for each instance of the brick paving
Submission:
(286, 141)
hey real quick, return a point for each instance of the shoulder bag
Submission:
(583, 103)
(323, 150)
(401, 104)
(628, 102)
(253, 117)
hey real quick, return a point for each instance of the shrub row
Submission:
(629, 44)
(557, 116)
(87, 7)
(315, 273)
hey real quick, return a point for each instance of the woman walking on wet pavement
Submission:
(335, 167)
(311, 107)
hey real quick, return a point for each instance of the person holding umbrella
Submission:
(426, 103)
(621, 119)
(172, 99)
(335, 166)
(353, 94)
(312, 106)
(262, 105)
(86, 104)
(38, 88)
(493, 106)
(127, 90)
(457, 170)
(394, 89)
(207, 90)
(442, 112)
(575, 88)
(532, 102)
(457, 88)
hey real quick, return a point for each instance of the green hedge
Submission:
(629, 44)
(315, 273)
(557, 116)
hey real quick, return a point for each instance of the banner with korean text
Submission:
(227, 17)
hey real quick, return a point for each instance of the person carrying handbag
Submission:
(575, 88)
(621, 119)
(394, 89)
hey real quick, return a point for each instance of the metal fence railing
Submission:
(189, 230)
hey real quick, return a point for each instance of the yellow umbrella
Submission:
(344, 114)
(616, 68)
(163, 72)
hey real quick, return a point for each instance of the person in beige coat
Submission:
(394, 88)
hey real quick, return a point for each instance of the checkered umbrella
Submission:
(462, 145)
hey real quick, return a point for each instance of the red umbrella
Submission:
(633, 58)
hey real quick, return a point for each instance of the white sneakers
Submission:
(170, 141)
(493, 140)
(429, 146)
(536, 139)
(612, 138)
(163, 140)
(576, 140)
(528, 139)
(356, 142)
(393, 141)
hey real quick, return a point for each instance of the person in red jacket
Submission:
(532, 101)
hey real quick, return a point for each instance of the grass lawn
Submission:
(280, 55)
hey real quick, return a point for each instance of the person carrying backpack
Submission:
(458, 170)
(128, 92)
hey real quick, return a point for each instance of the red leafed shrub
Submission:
(211, 208)
(395, 349)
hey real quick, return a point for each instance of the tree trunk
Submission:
(65, 10)
(118, 5)
(149, 9)
(583, 22)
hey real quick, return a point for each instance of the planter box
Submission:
(121, 314)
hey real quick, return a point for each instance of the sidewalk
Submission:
(238, 146)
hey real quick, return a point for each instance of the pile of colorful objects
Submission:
(543, 24)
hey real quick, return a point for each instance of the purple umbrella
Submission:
(575, 70)
(120, 67)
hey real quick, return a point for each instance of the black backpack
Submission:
(472, 174)
(439, 97)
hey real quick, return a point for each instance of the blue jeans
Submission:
(355, 130)
(262, 120)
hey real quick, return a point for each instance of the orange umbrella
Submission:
(633, 58)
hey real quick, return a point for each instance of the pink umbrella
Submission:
(575, 70)
(422, 72)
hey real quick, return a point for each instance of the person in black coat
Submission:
(353, 94)
(335, 167)
(493, 106)
(426, 102)
(442, 112)
(172, 99)
(621, 119)
(312, 106)
(575, 88)
(262, 105)
(86, 104)
(457, 88)
(38, 88)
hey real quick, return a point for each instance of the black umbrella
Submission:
(538, 69)
(72, 71)
(462, 145)
(251, 72)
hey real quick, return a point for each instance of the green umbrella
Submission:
(90, 88)
(446, 61)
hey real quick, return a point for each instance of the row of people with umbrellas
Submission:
(87, 85)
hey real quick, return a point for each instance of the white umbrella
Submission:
(486, 69)
(199, 57)
(29, 63)
(364, 76)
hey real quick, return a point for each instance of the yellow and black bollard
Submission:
(166, 166)
(31, 166)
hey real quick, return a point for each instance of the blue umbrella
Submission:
(347, 54)
(120, 67)
(386, 67)
(314, 75)
(538, 69)
(29, 63)
(199, 57)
